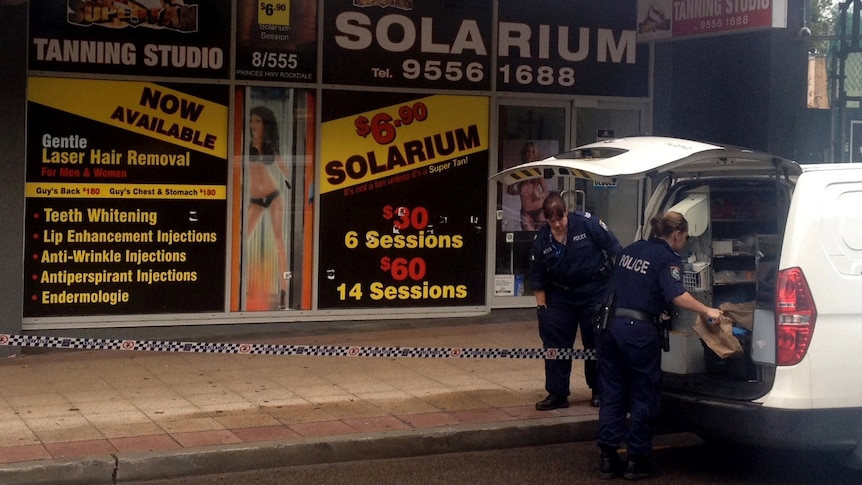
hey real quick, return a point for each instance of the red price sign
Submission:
(401, 268)
(405, 217)
(383, 127)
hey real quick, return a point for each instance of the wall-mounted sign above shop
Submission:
(131, 38)
(673, 19)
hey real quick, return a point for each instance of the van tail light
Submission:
(795, 315)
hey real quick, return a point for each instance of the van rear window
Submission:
(591, 153)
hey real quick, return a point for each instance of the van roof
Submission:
(819, 167)
(640, 156)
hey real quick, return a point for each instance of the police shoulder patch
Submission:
(603, 225)
(675, 273)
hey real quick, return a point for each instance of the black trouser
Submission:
(630, 352)
(558, 327)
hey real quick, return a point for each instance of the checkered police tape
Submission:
(311, 350)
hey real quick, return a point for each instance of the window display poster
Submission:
(403, 200)
(580, 47)
(398, 43)
(125, 198)
(275, 146)
(145, 37)
(522, 202)
(276, 40)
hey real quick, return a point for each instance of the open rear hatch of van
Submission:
(648, 157)
(736, 201)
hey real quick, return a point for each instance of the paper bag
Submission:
(742, 314)
(719, 337)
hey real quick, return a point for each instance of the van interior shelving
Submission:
(739, 246)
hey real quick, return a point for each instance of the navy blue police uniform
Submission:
(574, 278)
(646, 278)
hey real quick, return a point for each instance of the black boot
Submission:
(639, 467)
(610, 464)
(553, 401)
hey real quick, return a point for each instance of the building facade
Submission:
(234, 162)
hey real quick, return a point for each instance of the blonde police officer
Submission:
(647, 278)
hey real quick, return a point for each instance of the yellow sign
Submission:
(399, 138)
(145, 108)
(119, 191)
(274, 12)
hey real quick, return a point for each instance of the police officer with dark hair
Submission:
(647, 279)
(569, 275)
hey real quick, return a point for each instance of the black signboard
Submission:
(143, 37)
(276, 40)
(572, 47)
(403, 200)
(406, 43)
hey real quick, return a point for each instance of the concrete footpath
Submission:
(96, 417)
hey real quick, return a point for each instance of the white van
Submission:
(770, 235)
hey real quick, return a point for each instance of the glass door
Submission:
(618, 204)
(525, 133)
(529, 131)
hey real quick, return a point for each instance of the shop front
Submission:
(232, 162)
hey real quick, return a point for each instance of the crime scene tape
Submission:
(306, 350)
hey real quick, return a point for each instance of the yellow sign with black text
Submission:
(148, 109)
(402, 137)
